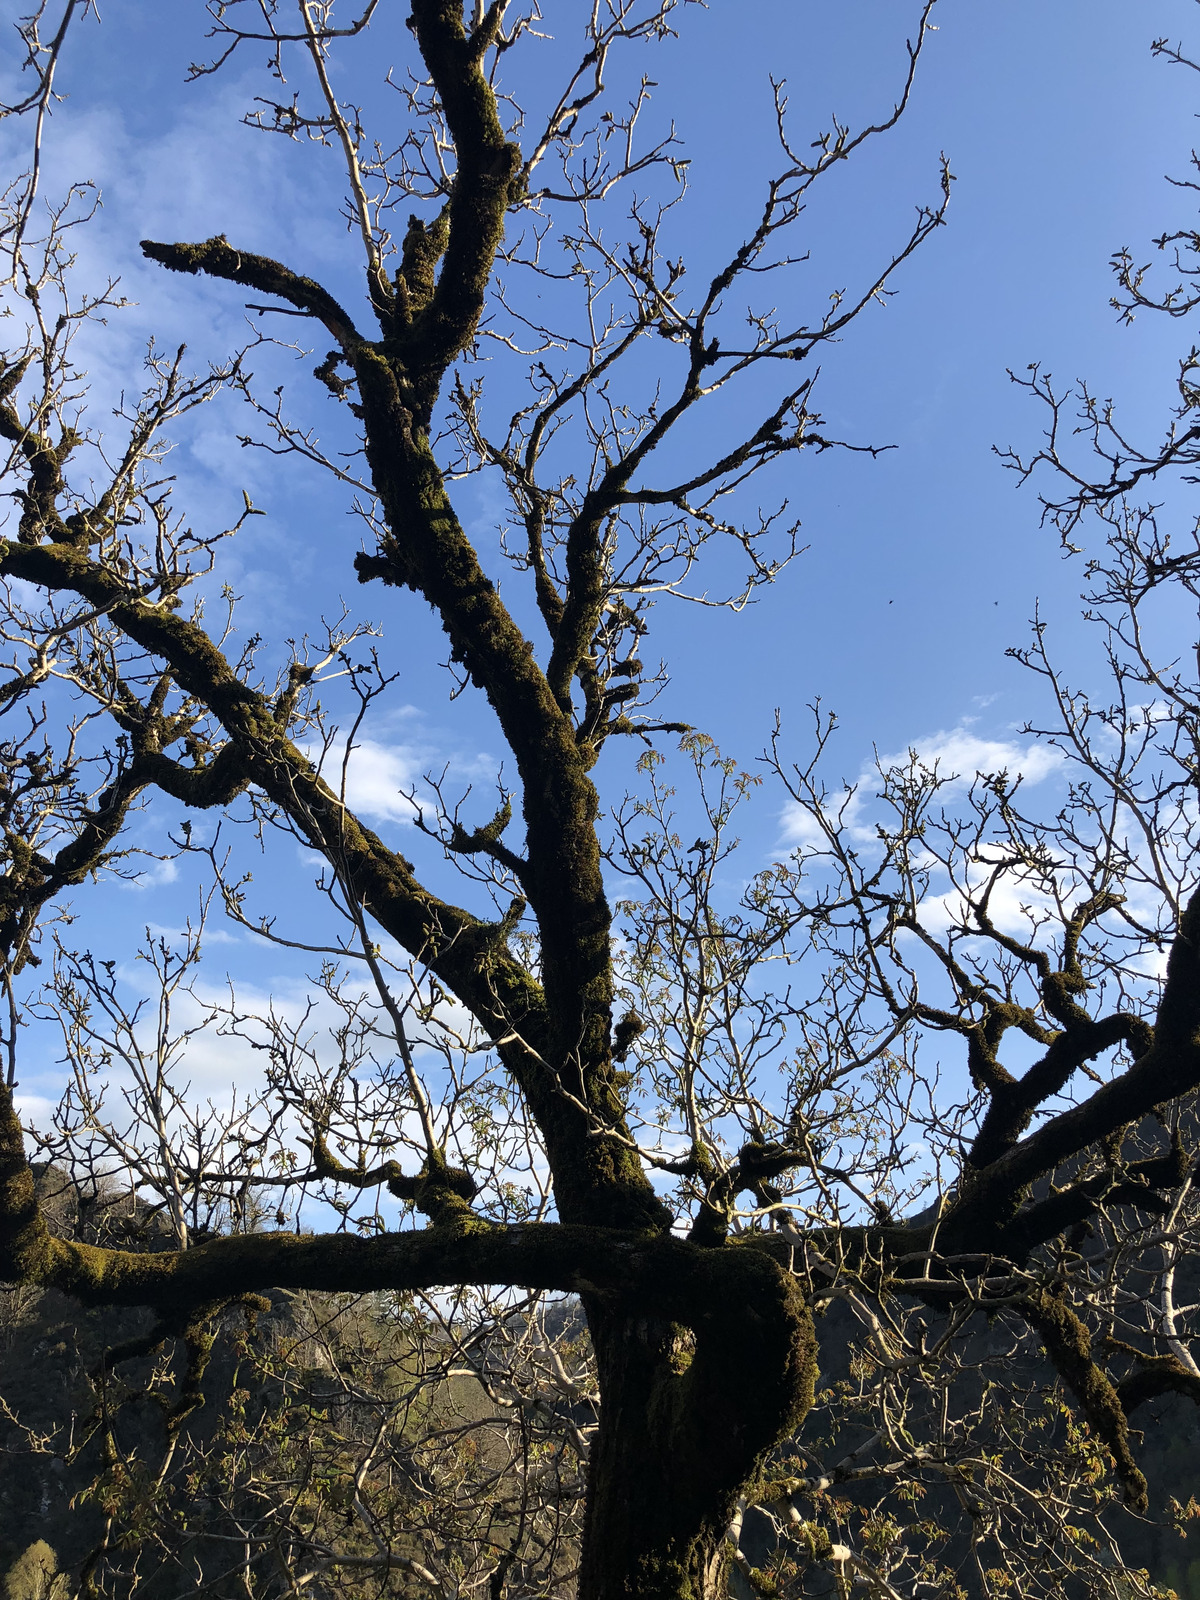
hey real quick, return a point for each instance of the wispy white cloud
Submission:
(153, 875)
(1015, 905)
(34, 1110)
(844, 808)
(380, 779)
(958, 755)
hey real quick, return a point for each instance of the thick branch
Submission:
(1014, 1103)
(482, 190)
(1158, 1375)
(1069, 1345)
(1168, 1069)
(219, 259)
(1137, 1186)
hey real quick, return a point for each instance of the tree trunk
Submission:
(690, 1405)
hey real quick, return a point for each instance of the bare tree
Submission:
(709, 1124)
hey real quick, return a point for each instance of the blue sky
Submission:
(922, 566)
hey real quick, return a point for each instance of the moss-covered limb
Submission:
(11, 374)
(440, 1191)
(488, 840)
(521, 474)
(1069, 1345)
(1167, 1069)
(934, 1260)
(327, 1165)
(131, 1350)
(1153, 1377)
(585, 596)
(1015, 1101)
(651, 1273)
(27, 1249)
(218, 258)
(1059, 985)
(32, 880)
(203, 785)
(899, 1253)
(486, 167)
(431, 553)
(446, 935)
(459, 947)
(423, 247)
(586, 589)
(44, 462)
(1140, 1185)
(198, 1336)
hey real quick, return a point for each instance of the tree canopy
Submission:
(922, 1087)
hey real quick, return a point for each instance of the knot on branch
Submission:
(629, 1028)
(416, 279)
(390, 566)
(444, 1193)
(327, 374)
(764, 1158)
(484, 838)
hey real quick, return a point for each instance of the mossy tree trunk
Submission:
(689, 1413)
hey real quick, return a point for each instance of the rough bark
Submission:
(691, 1406)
